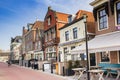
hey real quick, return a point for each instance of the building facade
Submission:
(15, 48)
(106, 13)
(4, 56)
(52, 22)
(73, 35)
(105, 47)
(39, 40)
(31, 42)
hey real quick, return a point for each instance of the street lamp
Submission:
(86, 40)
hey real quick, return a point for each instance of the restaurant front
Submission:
(106, 48)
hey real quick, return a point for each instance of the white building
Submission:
(73, 35)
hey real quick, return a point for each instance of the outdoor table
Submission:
(98, 72)
(78, 72)
(95, 67)
(109, 73)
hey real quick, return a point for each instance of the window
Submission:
(105, 57)
(72, 47)
(102, 19)
(49, 20)
(65, 54)
(39, 45)
(49, 35)
(75, 33)
(66, 35)
(118, 12)
(37, 36)
(45, 37)
(82, 56)
(69, 19)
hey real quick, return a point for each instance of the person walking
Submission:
(9, 63)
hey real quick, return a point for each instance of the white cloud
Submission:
(70, 6)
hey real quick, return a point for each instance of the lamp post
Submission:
(86, 40)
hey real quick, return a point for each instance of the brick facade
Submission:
(52, 22)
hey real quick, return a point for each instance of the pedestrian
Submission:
(9, 63)
(32, 64)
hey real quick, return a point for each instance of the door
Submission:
(92, 59)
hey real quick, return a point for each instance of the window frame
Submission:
(69, 19)
(103, 55)
(49, 20)
(103, 21)
(117, 13)
(75, 35)
(66, 35)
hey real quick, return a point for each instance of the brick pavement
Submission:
(23, 73)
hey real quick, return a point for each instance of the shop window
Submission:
(72, 47)
(105, 57)
(82, 56)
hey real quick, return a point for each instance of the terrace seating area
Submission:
(104, 71)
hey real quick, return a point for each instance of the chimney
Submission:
(49, 7)
(24, 30)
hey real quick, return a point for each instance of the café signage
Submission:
(117, 27)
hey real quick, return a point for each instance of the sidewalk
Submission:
(84, 77)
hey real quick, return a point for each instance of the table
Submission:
(78, 72)
(109, 73)
(98, 72)
(95, 67)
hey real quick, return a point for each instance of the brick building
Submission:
(30, 42)
(52, 22)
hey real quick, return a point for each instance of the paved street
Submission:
(15, 72)
(20, 73)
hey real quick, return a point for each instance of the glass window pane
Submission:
(104, 57)
(104, 13)
(102, 19)
(118, 6)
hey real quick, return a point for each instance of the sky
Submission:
(14, 14)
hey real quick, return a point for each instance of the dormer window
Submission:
(102, 19)
(69, 19)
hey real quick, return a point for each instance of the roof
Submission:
(105, 42)
(79, 16)
(38, 24)
(56, 13)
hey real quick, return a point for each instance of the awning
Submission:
(104, 42)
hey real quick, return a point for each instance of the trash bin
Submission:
(36, 65)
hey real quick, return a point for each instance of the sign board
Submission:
(117, 27)
(47, 66)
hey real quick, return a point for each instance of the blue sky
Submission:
(14, 14)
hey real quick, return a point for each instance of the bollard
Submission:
(43, 67)
(51, 68)
(63, 71)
